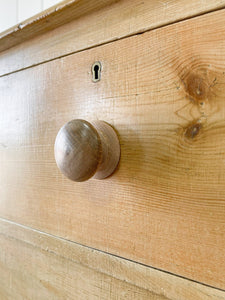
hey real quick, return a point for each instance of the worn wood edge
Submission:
(49, 19)
(62, 29)
(155, 281)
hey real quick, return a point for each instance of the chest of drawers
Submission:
(163, 210)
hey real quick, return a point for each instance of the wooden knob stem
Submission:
(84, 150)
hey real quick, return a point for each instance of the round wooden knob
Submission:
(84, 150)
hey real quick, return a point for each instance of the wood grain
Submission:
(35, 265)
(92, 23)
(163, 91)
(49, 19)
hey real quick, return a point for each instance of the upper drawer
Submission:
(163, 91)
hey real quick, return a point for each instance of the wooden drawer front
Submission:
(36, 265)
(164, 93)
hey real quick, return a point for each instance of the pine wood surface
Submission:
(35, 265)
(163, 91)
(81, 24)
(49, 19)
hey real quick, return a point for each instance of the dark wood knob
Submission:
(84, 150)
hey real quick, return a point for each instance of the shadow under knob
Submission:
(84, 150)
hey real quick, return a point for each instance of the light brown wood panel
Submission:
(163, 91)
(49, 19)
(29, 271)
(35, 265)
(94, 23)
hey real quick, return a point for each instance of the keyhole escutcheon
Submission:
(96, 71)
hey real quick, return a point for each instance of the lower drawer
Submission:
(35, 265)
(163, 91)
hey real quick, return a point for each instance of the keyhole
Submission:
(96, 71)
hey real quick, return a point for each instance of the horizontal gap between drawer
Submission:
(116, 258)
(115, 39)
